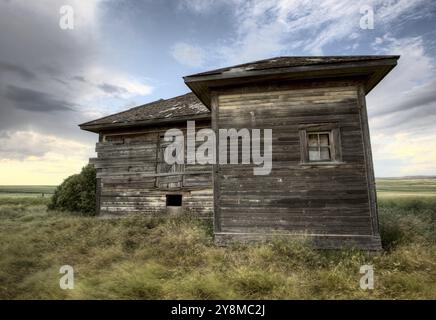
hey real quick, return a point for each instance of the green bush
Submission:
(77, 193)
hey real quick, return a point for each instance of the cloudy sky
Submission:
(123, 53)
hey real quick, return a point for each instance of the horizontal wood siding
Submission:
(295, 197)
(127, 168)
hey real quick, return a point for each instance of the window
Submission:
(319, 146)
(174, 200)
(320, 143)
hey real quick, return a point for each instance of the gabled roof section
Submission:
(371, 68)
(181, 108)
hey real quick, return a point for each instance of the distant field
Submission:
(26, 191)
(424, 187)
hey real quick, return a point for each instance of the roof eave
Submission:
(373, 70)
(97, 128)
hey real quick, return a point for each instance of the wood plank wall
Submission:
(295, 197)
(127, 169)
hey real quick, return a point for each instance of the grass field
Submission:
(151, 258)
(406, 187)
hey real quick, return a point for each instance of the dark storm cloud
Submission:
(18, 70)
(105, 87)
(37, 63)
(37, 101)
(416, 99)
(111, 89)
(413, 119)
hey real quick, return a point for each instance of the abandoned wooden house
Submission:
(322, 179)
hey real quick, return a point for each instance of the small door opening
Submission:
(174, 200)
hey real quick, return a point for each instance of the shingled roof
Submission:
(179, 108)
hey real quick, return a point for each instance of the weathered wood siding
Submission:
(296, 198)
(130, 179)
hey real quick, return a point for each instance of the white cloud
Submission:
(189, 55)
(265, 28)
(29, 157)
(22, 145)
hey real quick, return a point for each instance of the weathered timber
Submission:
(329, 202)
(321, 186)
(131, 176)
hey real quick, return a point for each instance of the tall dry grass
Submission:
(155, 258)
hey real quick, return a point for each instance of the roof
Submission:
(372, 69)
(290, 61)
(196, 105)
(179, 108)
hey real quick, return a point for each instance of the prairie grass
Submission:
(141, 257)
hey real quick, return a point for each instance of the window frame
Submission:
(334, 142)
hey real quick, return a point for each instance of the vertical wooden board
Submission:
(372, 194)
(216, 167)
(303, 146)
